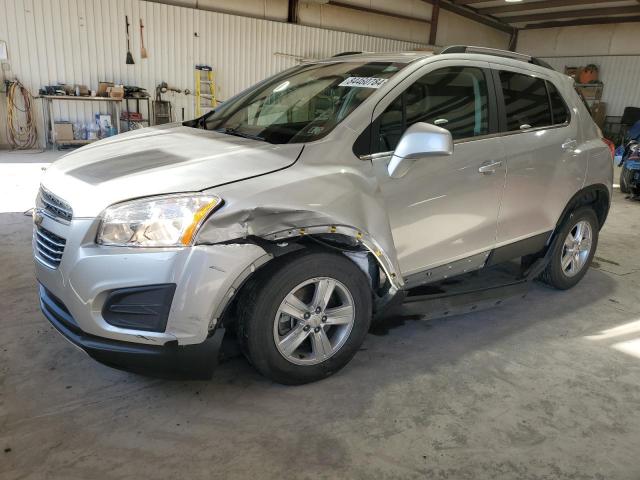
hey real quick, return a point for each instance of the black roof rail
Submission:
(342, 54)
(498, 53)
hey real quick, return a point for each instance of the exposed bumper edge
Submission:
(168, 361)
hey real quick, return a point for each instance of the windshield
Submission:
(300, 105)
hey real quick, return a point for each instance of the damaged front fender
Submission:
(275, 225)
(308, 199)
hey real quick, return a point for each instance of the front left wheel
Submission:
(304, 318)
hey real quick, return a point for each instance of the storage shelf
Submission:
(76, 142)
(82, 99)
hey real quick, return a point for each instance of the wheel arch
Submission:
(386, 282)
(597, 196)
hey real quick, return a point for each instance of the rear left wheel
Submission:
(572, 254)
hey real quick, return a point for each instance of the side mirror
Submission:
(419, 140)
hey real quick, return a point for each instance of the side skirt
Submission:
(528, 246)
(474, 291)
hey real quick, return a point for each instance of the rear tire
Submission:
(625, 177)
(574, 249)
(267, 323)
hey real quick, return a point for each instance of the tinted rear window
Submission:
(526, 100)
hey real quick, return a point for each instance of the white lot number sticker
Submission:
(363, 82)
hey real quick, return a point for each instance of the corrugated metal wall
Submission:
(619, 74)
(83, 42)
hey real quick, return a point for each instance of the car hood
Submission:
(159, 160)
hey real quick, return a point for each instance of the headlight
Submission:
(164, 221)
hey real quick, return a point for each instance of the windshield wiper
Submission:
(234, 131)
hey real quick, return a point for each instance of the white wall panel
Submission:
(83, 42)
(350, 20)
(456, 30)
(619, 74)
(611, 39)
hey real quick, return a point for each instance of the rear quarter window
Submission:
(559, 109)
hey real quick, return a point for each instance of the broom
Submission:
(129, 56)
(143, 51)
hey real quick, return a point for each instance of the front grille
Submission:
(54, 206)
(49, 247)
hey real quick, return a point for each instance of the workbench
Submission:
(48, 101)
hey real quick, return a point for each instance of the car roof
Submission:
(396, 57)
(412, 56)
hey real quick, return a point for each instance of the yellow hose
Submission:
(20, 137)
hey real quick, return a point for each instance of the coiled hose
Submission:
(20, 137)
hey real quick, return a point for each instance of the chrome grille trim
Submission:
(57, 244)
(49, 247)
(55, 206)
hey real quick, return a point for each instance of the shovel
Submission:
(129, 56)
(143, 51)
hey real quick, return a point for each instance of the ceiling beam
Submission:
(513, 41)
(523, 7)
(375, 11)
(583, 21)
(590, 12)
(433, 31)
(472, 14)
(468, 2)
(292, 11)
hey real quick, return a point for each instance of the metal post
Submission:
(435, 13)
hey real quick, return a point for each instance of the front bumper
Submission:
(193, 361)
(205, 277)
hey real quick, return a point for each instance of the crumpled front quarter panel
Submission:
(327, 187)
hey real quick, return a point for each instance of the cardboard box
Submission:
(103, 87)
(116, 91)
(63, 131)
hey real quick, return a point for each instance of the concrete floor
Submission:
(547, 387)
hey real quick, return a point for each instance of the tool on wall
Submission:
(129, 56)
(21, 136)
(204, 82)
(163, 109)
(143, 51)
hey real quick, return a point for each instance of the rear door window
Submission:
(526, 101)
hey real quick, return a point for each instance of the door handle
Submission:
(489, 168)
(569, 144)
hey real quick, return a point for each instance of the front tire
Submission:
(304, 317)
(574, 249)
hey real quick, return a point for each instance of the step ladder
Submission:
(205, 90)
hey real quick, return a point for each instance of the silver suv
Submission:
(303, 205)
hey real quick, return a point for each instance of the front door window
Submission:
(454, 98)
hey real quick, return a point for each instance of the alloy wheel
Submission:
(576, 248)
(314, 321)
